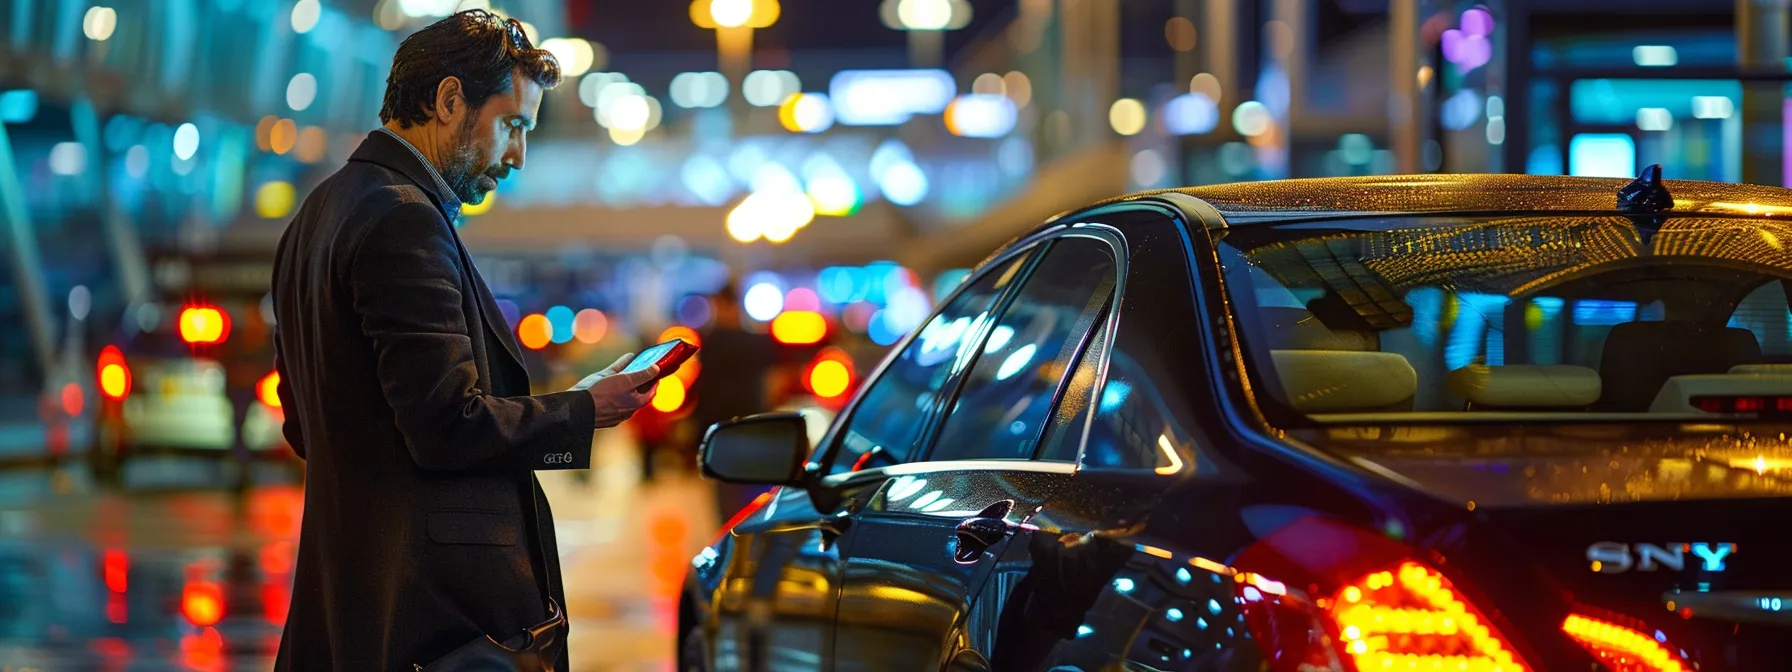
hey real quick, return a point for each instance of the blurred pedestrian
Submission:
(734, 382)
(425, 530)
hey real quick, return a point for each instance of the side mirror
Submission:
(764, 449)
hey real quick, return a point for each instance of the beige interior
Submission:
(1762, 368)
(1340, 380)
(1525, 386)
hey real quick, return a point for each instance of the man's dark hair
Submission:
(476, 46)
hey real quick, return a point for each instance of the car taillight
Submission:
(1377, 607)
(115, 376)
(202, 324)
(1411, 618)
(1621, 649)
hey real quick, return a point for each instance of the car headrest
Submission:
(1525, 385)
(1332, 381)
(1676, 396)
(1298, 329)
(1639, 357)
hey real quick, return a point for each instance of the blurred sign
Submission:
(889, 97)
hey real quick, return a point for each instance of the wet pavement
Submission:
(168, 571)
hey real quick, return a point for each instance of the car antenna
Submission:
(1645, 194)
(1642, 200)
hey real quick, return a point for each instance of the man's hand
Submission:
(614, 393)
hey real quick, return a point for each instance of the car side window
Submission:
(886, 425)
(1006, 399)
(1065, 435)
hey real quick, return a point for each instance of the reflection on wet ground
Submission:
(189, 576)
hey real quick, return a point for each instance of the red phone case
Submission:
(669, 363)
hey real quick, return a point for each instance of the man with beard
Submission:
(425, 531)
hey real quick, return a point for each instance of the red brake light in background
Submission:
(1411, 618)
(799, 327)
(269, 389)
(115, 376)
(202, 602)
(1621, 649)
(204, 325)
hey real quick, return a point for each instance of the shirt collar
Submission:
(450, 202)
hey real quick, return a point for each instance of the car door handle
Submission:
(976, 535)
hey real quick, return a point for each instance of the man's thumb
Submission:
(641, 377)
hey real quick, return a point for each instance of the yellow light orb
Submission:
(1127, 116)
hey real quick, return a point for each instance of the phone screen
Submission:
(650, 356)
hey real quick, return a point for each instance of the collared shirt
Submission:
(451, 202)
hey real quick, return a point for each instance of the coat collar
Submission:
(385, 148)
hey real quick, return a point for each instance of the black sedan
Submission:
(1468, 423)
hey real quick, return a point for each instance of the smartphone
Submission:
(668, 356)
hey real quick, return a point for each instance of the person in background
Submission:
(737, 367)
(426, 541)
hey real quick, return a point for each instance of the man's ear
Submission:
(450, 101)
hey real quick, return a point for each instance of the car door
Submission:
(921, 546)
(776, 574)
(1090, 582)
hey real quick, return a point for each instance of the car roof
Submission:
(1284, 200)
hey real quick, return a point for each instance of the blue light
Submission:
(1187, 653)
(880, 330)
(1016, 362)
(1084, 631)
(1191, 114)
(1598, 313)
(1660, 636)
(1602, 155)
(1173, 614)
(1713, 555)
(18, 106)
(560, 319)
(1113, 396)
(1182, 573)
(1213, 606)
(904, 184)
(1123, 585)
(1461, 110)
(1201, 623)
(1017, 428)
(1544, 160)
(840, 284)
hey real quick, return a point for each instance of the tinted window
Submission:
(1006, 399)
(1065, 435)
(890, 417)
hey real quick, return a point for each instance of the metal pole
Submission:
(27, 268)
(1405, 110)
(1761, 46)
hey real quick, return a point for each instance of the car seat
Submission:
(1640, 357)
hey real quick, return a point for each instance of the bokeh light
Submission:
(186, 141)
(1127, 116)
(534, 331)
(590, 325)
(560, 324)
(799, 327)
(301, 90)
(806, 113)
(1251, 118)
(763, 301)
(669, 394)
(305, 14)
(283, 136)
(98, 23)
(829, 378)
(274, 200)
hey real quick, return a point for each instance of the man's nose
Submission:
(513, 156)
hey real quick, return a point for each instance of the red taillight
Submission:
(269, 389)
(114, 375)
(202, 602)
(1621, 649)
(204, 325)
(1410, 617)
(1374, 607)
